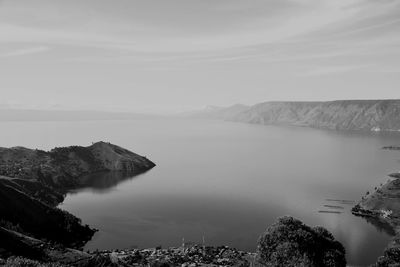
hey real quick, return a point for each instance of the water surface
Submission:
(227, 181)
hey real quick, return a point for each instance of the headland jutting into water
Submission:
(33, 182)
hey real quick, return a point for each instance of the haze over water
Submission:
(227, 181)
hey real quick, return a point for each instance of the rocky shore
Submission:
(187, 255)
(288, 242)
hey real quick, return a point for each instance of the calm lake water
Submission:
(227, 181)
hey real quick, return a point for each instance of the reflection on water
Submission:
(380, 225)
(103, 182)
(226, 181)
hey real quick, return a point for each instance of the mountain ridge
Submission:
(353, 115)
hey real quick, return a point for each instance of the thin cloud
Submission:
(259, 27)
(25, 51)
(327, 70)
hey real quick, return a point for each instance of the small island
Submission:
(33, 182)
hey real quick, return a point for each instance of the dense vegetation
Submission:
(390, 258)
(289, 242)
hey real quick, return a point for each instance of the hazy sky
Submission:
(175, 55)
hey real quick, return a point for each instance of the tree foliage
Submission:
(289, 242)
(390, 258)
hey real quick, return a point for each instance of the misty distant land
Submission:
(24, 115)
(39, 179)
(348, 115)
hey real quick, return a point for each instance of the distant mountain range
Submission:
(354, 115)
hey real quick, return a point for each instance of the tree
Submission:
(289, 242)
(390, 258)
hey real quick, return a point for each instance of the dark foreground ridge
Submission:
(34, 182)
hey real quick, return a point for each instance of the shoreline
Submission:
(381, 207)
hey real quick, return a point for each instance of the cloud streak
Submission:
(25, 51)
(214, 28)
(328, 70)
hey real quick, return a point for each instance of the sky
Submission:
(163, 56)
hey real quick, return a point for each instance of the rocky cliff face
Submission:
(364, 115)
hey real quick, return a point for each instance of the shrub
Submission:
(390, 258)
